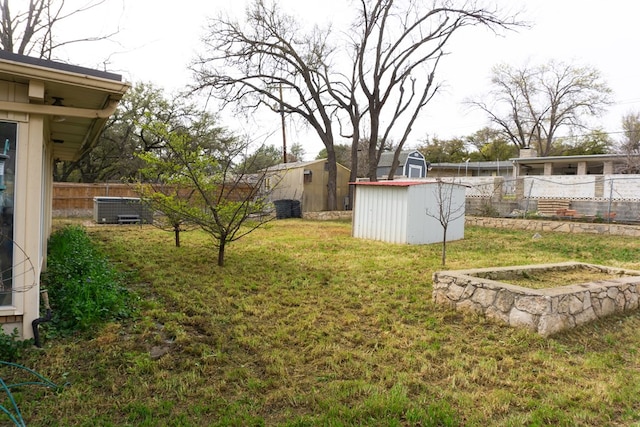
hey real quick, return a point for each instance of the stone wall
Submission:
(328, 215)
(555, 226)
(545, 311)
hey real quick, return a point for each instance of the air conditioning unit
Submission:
(120, 210)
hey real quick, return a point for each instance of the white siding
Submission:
(380, 214)
(424, 214)
(407, 214)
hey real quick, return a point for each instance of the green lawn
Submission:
(307, 326)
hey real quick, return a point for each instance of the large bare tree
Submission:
(31, 27)
(382, 70)
(250, 65)
(532, 103)
(400, 45)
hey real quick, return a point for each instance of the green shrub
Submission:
(11, 347)
(84, 288)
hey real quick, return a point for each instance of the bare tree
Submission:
(400, 46)
(30, 27)
(630, 144)
(248, 66)
(447, 209)
(531, 104)
(393, 51)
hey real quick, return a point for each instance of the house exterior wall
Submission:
(383, 171)
(315, 192)
(30, 228)
(27, 86)
(342, 190)
(407, 214)
(285, 184)
(290, 184)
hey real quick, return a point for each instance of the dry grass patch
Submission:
(307, 326)
(543, 279)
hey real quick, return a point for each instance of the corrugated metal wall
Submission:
(381, 213)
(407, 214)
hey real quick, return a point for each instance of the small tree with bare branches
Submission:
(447, 208)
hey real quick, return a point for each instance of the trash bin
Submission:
(283, 208)
(296, 210)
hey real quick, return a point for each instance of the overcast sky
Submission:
(157, 40)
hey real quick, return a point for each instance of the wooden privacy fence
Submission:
(69, 196)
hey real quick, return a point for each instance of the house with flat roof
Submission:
(49, 111)
(593, 164)
(502, 168)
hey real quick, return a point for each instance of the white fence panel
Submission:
(622, 187)
(560, 187)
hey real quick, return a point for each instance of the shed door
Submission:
(415, 171)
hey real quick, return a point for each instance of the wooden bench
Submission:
(128, 219)
(551, 207)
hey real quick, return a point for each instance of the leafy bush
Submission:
(11, 347)
(84, 288)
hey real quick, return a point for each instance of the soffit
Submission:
(80, 88)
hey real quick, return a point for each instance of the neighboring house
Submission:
(411, 164)
(306, 182)
(408, 211)
(530, 165)
(594, 164)
(465, 169)
(49, 111)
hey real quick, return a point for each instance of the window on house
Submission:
(8, 137)
(307, 176)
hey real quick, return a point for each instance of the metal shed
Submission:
(408, 211)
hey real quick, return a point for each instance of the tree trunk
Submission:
(176, 231)
(444, 246)
(353, 175)
(373, 164)
(332, 197)
(221, 251)
(395, 163)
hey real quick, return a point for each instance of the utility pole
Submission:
(284, 134)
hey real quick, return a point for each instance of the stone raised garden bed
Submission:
(555, 297)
